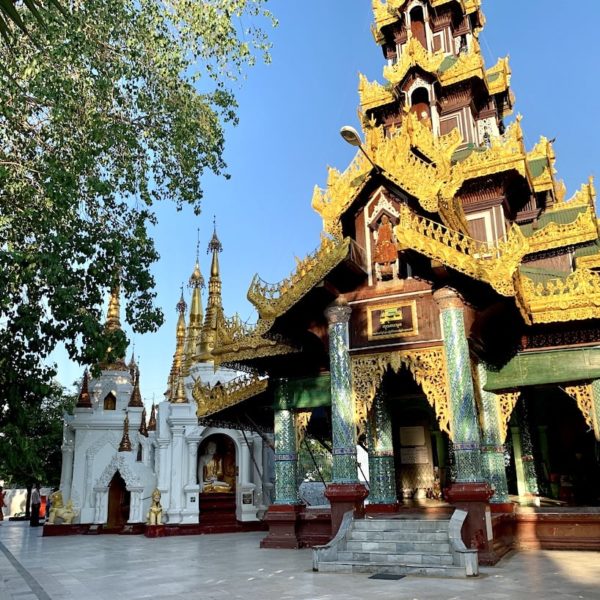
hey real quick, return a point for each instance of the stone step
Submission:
(425, 526)
(398, 547)
(400, 558)
(352, 566)
(398, 536)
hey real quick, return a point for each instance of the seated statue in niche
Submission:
(385, 255)
(213, 475)
(155, 512)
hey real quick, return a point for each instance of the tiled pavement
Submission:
(232, 566)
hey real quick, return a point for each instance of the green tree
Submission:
(31, 434)
(104, 111)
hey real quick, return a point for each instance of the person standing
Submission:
(2, 503)
(36, 501)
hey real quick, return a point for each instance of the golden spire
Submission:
(179, 355)
(192, 336)
(214, 303)
(135, 401)
(180, 397)
(84, 400)
(125, 445)
(143, 428)
(113, 317)
(152, 420)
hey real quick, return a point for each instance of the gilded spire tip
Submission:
(214, 245)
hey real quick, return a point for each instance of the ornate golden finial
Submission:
(113, 317)
(125, 445)
(143, 428)
(152, 420)
(179, 357)
(84, 400)
(214, 304)
(133, 367)
(180, 397)
(135, 401)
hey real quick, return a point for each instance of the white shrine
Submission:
(113, 458)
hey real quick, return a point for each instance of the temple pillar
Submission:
(492, 448)
(528, 488)
(66, 471)
(469, 491)
(282, 516)
(345, 492)
(382, 472)
(190, 511)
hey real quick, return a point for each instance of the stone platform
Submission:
(105, 567)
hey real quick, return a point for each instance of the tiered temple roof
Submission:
(435, 138)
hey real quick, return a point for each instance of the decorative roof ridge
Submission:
(273, 300)
(213, 399)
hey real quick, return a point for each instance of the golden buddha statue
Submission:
(211, 466)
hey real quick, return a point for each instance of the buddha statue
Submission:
(211, 468)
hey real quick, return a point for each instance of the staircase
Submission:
(398, 546)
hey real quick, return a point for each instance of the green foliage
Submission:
(105, 111)
(31, 434)
(307, 470)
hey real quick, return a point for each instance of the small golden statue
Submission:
(212, 471)
(155, 512)
(59, 511)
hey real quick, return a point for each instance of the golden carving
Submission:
(469, 64)
(554, 235)
(302, 419)
(387, 12)
(273, 300)
(427, 176)
(210, 400)
(494, 264)
(428, 367)
(583, 394)
(373, 94)
(507, 402)
(575, 298)
(498, 77)
(588, 262)
(413, 55)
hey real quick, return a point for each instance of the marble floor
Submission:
(232, 566)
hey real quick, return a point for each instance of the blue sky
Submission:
(290, 115)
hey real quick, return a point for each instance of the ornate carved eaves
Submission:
(498, 77)
(413, 55)
(428, 367)
(211, 400)
(493, 264)
(507, 402)
(273, 300)
(387, 12)
(237, 343)
(575, 298)
(583, 394)
(555, 235)
(372, 94)
(302, 419)
(429, 180)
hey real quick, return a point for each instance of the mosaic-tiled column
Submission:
(342, 404)
(286, 454)
(527, 458)
(382, 473)
(492, 448)
(464, 424)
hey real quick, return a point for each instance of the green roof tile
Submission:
(560, 217)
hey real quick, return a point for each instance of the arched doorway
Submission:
(119, 499)
(417, 25)
(217, 475)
